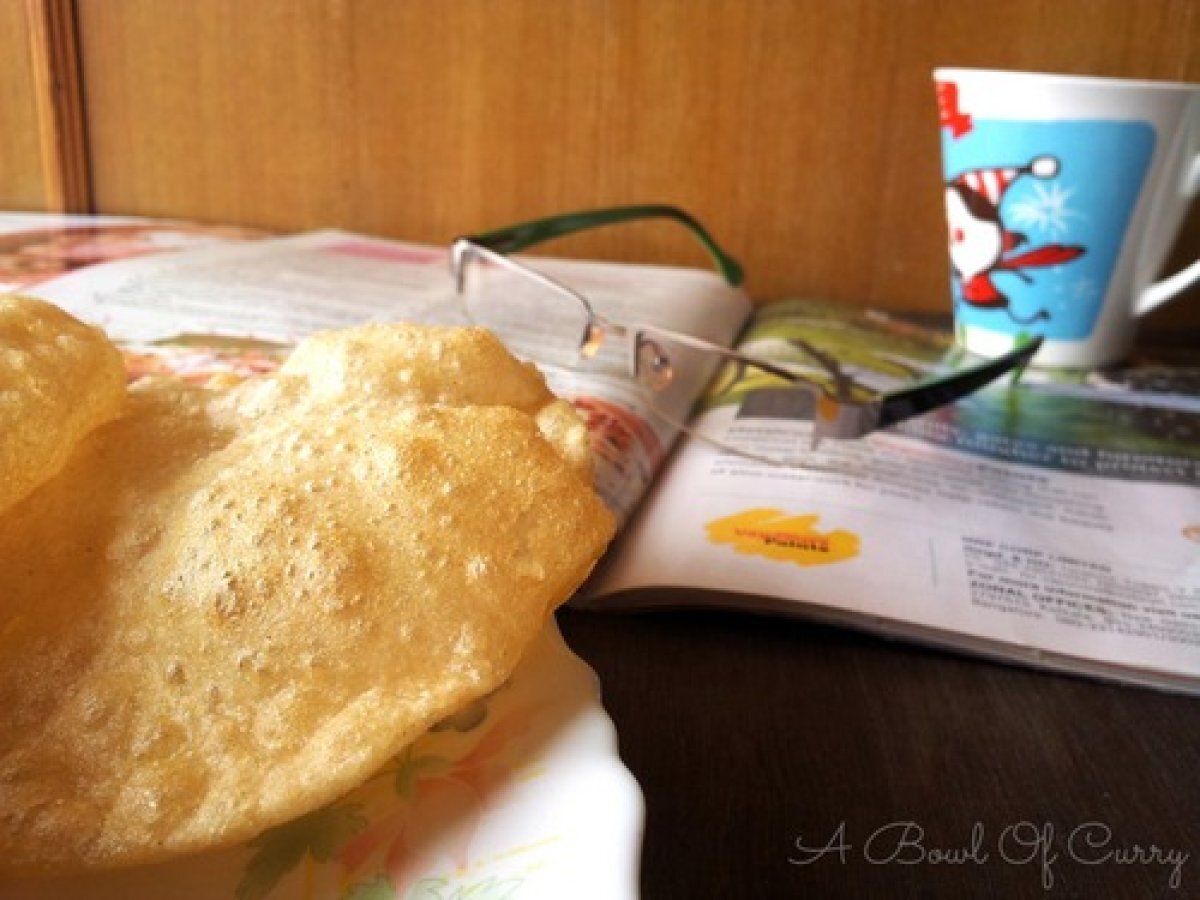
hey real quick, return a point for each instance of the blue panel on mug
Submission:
(1037, 212)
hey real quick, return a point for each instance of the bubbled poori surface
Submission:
(225, 608)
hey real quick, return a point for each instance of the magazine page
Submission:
(239, 305)
(1055, 522)
(38, 247)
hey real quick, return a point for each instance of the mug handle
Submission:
(1163, 290)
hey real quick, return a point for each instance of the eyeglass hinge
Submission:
(842, 421)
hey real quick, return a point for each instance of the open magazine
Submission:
(1054, 522)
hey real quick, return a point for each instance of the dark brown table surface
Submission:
(754, 737)
(760, 740)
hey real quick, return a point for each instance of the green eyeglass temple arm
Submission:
(912, 401)
(525, 234)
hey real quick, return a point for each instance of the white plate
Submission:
(522, 797)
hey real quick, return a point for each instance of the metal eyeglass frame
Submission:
(838, 415)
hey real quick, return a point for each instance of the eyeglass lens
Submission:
(743, 408)
(532, 319)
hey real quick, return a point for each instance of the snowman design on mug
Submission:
(982, 245)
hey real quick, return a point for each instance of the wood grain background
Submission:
(804, 133)
(43, 163)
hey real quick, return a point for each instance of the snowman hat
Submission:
(993, 182)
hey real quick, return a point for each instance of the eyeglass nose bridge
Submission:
(593, 338)
(652, 365)
(620, 340)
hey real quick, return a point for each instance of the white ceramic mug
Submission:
(1063, 197)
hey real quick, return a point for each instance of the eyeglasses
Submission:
(785, 407)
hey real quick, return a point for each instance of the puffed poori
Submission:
(227, 607)
(59, 379)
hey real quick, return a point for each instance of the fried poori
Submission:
(232, 606)
(59, 379)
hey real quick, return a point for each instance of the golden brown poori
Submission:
(59, 379)
(229, 607)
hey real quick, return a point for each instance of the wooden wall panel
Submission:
(43, 160)
(21, 174)
(803, 132)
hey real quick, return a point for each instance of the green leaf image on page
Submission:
(787, 332)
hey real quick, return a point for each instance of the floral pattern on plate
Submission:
(522, 795)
